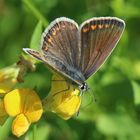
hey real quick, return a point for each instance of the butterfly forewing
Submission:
(59, 48)
(60, 41)
(99, 37)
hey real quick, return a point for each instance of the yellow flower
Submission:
(9, 76)
(63, 98)
(20, 125)
(8, 79)
(25, 105)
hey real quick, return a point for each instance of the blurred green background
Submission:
(116, 114)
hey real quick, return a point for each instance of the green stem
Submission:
(35, 12)
(34, 131)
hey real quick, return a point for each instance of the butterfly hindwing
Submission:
(99, 37)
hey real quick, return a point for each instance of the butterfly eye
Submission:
(83, 87)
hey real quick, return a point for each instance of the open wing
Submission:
(60, 41)
(59, 46)
(99, 37)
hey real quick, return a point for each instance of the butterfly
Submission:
(76, 52)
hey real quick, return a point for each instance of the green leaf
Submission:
(36, 37)
(130, 10)
(35, 12)
(42, 133)
(136, 91)
(117, 124)
(5, 129)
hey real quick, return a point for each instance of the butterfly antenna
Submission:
(92, 95)
(93, 99)
(81, 96)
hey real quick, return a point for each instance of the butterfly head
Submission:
(84, 87)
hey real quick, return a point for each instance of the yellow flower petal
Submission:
(20, 125)
(8, 79)
(69, 106)
(7, 85)
(24, 101)
(3, 114)
(33, 107)
(65, 103)
(13, 102)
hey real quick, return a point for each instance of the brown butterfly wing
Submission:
(65, 48)
(59, 47)
(52, 63)
(99, 37)
(60, 41)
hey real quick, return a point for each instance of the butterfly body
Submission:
(74, 73)
(78, 52)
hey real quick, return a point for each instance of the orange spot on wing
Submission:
(100, 26)
(85, 30)
(106, 25)
(54, 32)
(63, 26)
(57, 28)
(93, 27)
(50, 40)
(45, 48)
